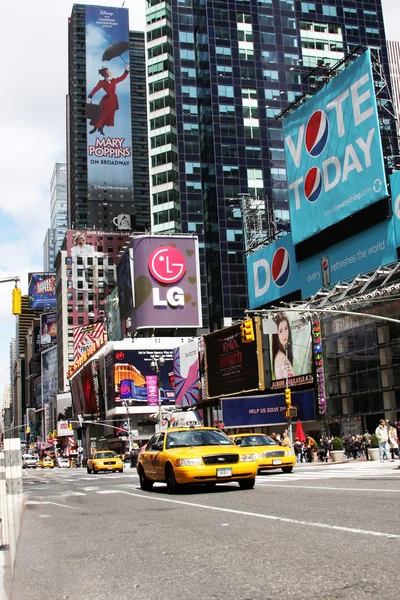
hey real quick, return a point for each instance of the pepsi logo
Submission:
(317, 132)
(313, 184)
(397, 207)
(281, 267)
(325, 265)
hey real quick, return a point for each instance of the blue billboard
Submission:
(361, 253)
(108, 109)
(395, 191)
(257, 411)
(333, 152)
(41, 290)
(272, 272)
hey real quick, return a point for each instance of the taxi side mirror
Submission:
(238, 441)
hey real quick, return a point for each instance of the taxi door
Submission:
(159, 459)
(148, 457)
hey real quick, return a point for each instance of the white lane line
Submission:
(391, 536)
(317, 487)
(55, 504)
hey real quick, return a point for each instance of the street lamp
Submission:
(155, 364)
(125, 403)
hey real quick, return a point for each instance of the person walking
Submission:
(393, 442)
(382, 434)
(367, 443)
(310, 445)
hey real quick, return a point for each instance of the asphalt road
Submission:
(325, 532)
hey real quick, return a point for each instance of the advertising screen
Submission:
(42, 290)
(49, 375)
(48, 328)
(84, 389)
(334, 153)
(257, 411)
(187, 374)
(109, 131)
(166, 282)
(133, 377)
(125, 283)
(291, 351)
(232, 366)
(114, 332)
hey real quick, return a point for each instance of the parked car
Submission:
(29, 461)
(195, 455)
(270, 454)
(104, 460)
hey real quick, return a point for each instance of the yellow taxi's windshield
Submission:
(105, 455)
(255, 440)
(196, 437)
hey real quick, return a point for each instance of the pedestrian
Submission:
(298, 449)
(382, 434)
(367, 443)
(310, 445)
(285, 440)
(393, 442)
(396, 425)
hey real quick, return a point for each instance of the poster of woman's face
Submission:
(291, 351)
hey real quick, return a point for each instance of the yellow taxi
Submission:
(104, 460)
(195, 455)
(270, 454)
(47, 462)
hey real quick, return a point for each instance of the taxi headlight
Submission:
(187, 462)
(289, 452)
(258, 455)
(247, 457)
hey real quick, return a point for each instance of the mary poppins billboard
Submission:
(166, 278)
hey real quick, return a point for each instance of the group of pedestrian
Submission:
(388, 433)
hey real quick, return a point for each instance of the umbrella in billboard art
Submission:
(116, 50)
(300, 432)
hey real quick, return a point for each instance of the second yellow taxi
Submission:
(104, 460)
(195, 455)
(47, 462)
(269, 454)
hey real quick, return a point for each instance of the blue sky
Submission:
(33, 133)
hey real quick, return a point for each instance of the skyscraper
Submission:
(58, 216)
(219, 73)
(394, 66)
(107, 142)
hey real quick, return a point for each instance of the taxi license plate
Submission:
(224, 472)
(276, 462)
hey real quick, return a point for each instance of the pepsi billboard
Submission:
(272, 272)
(333, 152)
(395, 190)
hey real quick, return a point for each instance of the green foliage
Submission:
(374, 441)
(337, 443)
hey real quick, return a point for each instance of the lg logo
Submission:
(168, 265)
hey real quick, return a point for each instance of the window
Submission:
(250, 112)
(222, 33)
(186, 37)
(242, 17)
(226, 90)
(245, 36)
(224, 71)
(352, 30)
(192, 168)
(222, 51)
(290, 41)
(249, 93)
(226, 110)
(252, 131)
(277, 153)
(270, 94)
(308, 7)
(189, 91)
(254, 174)
(253, 151)
(350, 12)
(275, 133)
(268, 38)
(269, 56)
(187, 54)
(229, 151)
(234, 235)
(290, 59)
(230, 171)
(270, 75)
(278, 174)
(372, 32)
(246, 53)
(289, 22)
(370, 14)
(271, 113)
(329, 11)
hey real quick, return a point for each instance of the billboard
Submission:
(48, 328)
(187, 374)
(291, 351)
(395, 191)
(85, 336)
(114, 332)
(41, 290)
(272, 272)
(125, 283)
(334, 153)
(49, 375)
(166, 282)
(132, 377)
(233, 367)
(85, 389)
(109, 130)
(258, 411)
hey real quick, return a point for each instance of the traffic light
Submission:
(247, 331)
(16, 301)
(288, 396)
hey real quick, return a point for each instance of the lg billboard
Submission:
(109, 130)
(334, 153)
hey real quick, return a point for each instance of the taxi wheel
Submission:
(287, 469)
(172, 486)
(145, 484)
(247, 484)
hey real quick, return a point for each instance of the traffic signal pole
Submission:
(289, 395)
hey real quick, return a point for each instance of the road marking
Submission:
(317, 487)
(391, 536)
(55, 504)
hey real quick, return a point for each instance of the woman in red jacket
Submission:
(109, 103)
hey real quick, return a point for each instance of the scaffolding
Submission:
(259, 221)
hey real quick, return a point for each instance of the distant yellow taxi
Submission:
(104, 460)
(47, 462)
(269, 454)
(195, 455)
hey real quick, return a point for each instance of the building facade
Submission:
(99, 210)
(394, 66)
(219, 74)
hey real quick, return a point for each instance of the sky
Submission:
(35, 66)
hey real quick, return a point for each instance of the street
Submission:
(325, 532)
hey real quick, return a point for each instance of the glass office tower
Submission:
(219, 73)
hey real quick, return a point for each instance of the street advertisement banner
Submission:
(41, 290)
(166, 282)
(63, 429)
(48, 328)
(114, 331)
(64, 406)
(37, 390)
(130, 371)
(395, 191)
(84, 337)
(49, 375)
(272, 272)
(258, 411)
(109, 130)
(232, 366)
(85, 390)
(291, 351)
(125, 283)
(334, 153)
(187, 374)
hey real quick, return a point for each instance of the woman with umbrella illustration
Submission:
(109, 103)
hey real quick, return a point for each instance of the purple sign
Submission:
(152, 390)
(166, 282)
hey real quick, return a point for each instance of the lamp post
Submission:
(155, 364)
(124, 403)
(290, 432)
